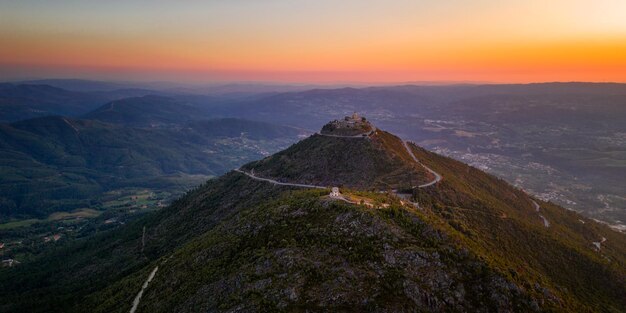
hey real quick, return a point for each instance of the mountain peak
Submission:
(350, 152)
(275, 240)
(353, 125)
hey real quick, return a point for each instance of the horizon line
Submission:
(304, 83)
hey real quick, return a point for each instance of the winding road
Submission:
(546, 223)
(275, 182)
(406, 146)
(437, 176)
(279, 183)
(145, 285)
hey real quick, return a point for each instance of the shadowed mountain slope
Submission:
(379, 161)
(18, 102)
(146, 111)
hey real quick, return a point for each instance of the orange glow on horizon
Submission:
(583, 61)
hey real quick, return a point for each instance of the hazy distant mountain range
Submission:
(147, 111)
(23, 101)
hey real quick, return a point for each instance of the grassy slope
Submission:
(300, 252)
(236, 239)
(380, 162)
(500, 223)
(62, 277)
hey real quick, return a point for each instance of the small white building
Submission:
(335, 192)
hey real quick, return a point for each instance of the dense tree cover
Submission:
(57, 163)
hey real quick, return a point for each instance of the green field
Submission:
(19, 223)
(80, 213)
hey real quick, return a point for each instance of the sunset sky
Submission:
(315, 41)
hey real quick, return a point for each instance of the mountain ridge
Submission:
(356, 157)
(475, 243)
(146, 111)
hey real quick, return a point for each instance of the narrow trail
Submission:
(145, 285)
(71, 125)
(546, 223)
(341, 198)
(437, 179)
(406, 146)
(437, 176)
(279, 183)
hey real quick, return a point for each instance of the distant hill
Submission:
(58, 163)
(81, 85)
(315, 107)
(237, 243)
(87, 85)
(25, 101)
(19, 102)
(147, 111)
